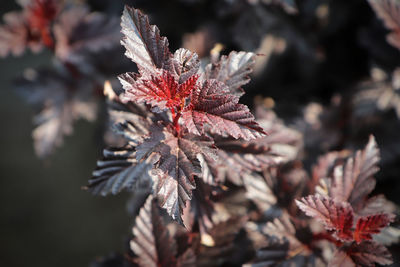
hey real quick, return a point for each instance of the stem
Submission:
(176, 117)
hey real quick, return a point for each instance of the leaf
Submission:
(152, 243)
(365, 254)
(389, 12)
(185, 64)
(259, 192)
(376, 205)
(276, 251)
(388, 236)
(177, 166)
(119, 170)
(162, 91)
(340, 258)
(200, 209)
(281, 145)
(281, 246)
(187, 259)
(354, 181)
(219, 248)
(143, 42)
(60, 106)
(78, 33)
(283, 229)
(326, 164)
(14, 35)
(238, 157)
(368, 225)
(233, 70)
(210, 108)
(337, 216)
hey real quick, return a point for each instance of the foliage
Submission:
(211, 184)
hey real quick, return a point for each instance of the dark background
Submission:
(45, 217)
(48, 220)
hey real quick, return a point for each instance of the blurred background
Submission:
(323, 67)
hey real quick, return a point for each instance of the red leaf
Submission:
(143, 42)
(368, 225)
(337, 216)
(213, 108)
(161, 91)
(41, 13)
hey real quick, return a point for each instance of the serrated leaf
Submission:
(389, 12)
(152, 243)
(368, 225)
(354, 181)
(119, 170)
(143, 42)
(281, 145)
(212, 108)
(233, 70)
(365, 254)
(200, 209)
(161, 91)
(176, 168)
(185, 64)
(337, 216)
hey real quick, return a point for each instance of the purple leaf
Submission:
(177, 166)
(365, 254)
(185, 64)
(214, 109)
(233, 70)
(336, 216)
(143, 42)
(79, 32)
(14, 36)
(354, 181)
(389, 12)
(119, 170)
(152, 243)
